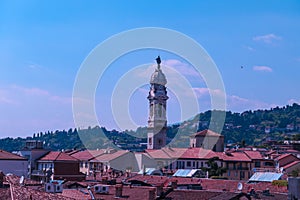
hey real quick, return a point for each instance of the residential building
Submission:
(58, 165)
(207, 139)
(33, 150)
(14, 164)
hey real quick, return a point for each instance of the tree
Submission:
(213, 168)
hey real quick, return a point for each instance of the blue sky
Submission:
(43, 43)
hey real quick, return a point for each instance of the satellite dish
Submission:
(240, 186)
(22, 180)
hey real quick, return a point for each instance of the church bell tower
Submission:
(157, 122)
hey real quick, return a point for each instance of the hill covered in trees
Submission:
(249, 127)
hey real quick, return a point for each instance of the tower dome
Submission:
(158, 77)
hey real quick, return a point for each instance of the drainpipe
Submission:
(91, 193)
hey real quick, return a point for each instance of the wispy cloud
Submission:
(183, 68)
(268, 39)
(249, 48)
(30, 91)
(262, 68)
(292, 101)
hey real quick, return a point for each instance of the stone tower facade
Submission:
(157, 122)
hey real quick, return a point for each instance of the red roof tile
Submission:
(291, 164)
(109, 156)
(184, 153)
(254, 155)
(198, 153)
(4, 155)
(58, 156)
(87, 154)
(282, 156)
(234, 156)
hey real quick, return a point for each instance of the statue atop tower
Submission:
(157, 122)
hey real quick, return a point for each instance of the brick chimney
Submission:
(152, 195)
(174, 184)
(119, 190)
(1, 178)
(159, 189)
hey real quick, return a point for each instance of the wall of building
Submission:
(124, 162)
(208, 142)
(17, 167)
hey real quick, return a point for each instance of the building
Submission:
(14, 164)
(59, 166)
(85, 157)
(33, 150)
(207, 139)
(157, 122)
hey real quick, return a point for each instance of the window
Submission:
(269, 164)
(228, 172)
(201, 164)
(81, 164)
(150, 141)
(159, 141)
(257, 164)
(86, 165)
(188, 163)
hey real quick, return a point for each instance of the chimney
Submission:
(174, 184)
(119, 190)
(152, 195)
(1, 178)
(159, 190)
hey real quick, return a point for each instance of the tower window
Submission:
(150, 141)
(159, 141)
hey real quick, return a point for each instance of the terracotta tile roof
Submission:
(29, 192)
(185, 181)
(76, 194)
(254, 155)
(206, 133)
(198, 153)
(231, 185)
(210, 184)
(5, 193)
(282, 156)
(87, 154)
(291, 164)
(192, 194)
(184, 153)
(58, 156)
(132, 193)
(152, 180)
(109, 156)
(4, 155)
(234, 156)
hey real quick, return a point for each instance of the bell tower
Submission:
(157, 121)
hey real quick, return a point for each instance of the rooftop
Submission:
(4, 155)
(206, 133)
(58, 156)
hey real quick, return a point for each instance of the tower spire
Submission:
(157, 122)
